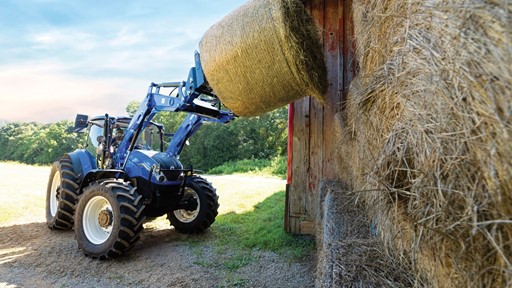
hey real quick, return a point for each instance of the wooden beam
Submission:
(300, 159)
(333, 24)
(350, 66)
(317, 11)
(307, 227)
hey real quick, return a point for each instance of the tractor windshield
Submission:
(149, 139)
(152, 138)
(95, 139)
(95, 136)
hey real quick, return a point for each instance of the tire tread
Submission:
(126, 201)
(64, 217)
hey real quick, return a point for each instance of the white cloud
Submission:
(44, 39)
(127, 37)
(69, 39)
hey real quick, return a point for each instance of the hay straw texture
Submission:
(348, 256)
(264, 55)
(427, 133)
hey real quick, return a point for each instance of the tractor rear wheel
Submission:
(108, 219)
(203, 200)
(61, 195)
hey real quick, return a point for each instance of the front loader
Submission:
(106, 191)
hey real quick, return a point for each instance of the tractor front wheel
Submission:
(200, 196)
(61, 195)
(108, 219)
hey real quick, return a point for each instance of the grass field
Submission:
(23, 192)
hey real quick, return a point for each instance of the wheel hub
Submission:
(190, 204)
(190, 207)
(105, 218)
(57, 193)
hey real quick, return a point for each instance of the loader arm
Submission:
(188, 99)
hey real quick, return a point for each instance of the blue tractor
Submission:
(124, 175)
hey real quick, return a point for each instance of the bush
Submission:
(275, 167)
(279, 166)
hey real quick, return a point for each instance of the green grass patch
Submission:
(237, 261)
(274, 167)
(239, 237)
(261, 229)
(241, 166)
(235, 281)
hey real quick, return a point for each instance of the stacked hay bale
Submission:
(427, 135)
(347, 255)
(264, 55)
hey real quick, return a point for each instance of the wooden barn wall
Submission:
(313, 144)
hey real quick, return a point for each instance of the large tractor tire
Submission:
(108, 219)
(61, 195)
(201, 192)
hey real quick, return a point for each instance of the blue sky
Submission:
(62, 57)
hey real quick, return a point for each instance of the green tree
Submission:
(132, 107)
(170, 120)
(34, 143)
(261, 137)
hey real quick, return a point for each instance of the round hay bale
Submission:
(264, 55)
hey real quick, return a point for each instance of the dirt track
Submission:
(33, 256)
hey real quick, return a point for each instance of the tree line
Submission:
(261, 137)
(35, 143)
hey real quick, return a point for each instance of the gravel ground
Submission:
(31, 255)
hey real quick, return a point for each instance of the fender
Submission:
(83, 162)
(85, 168)
(98, 174)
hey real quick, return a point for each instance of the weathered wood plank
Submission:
(316, 129)
(294, 223)
(307, 227)
(349, 49)
(300, 158)
(332, 46)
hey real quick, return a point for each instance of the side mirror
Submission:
(80, 123)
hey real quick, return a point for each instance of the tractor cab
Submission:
(105, 134)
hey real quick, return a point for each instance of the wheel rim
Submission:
(98, 220)
(188, 216)
(54, 197)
